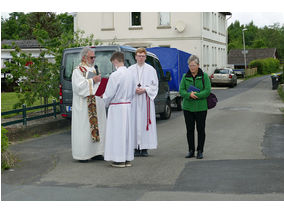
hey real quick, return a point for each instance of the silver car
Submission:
(224, 76)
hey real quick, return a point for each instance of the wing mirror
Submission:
(168, 76)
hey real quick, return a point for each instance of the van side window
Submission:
(158, 68)
(151, 60)
(72, 61)
(129, 59)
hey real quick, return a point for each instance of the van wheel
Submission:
(178, 103)
(167, 111)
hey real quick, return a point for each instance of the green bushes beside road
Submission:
(7, 159)
(265, 66)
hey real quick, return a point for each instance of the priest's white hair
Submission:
(84, 52)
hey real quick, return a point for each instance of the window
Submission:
(158, 68)
(129, 59)
(136, 19)
(72, 61)
(107, 21)
(164, 19)
(102, 61)
(214, 22)
(206, 20)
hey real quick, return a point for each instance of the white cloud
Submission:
(259, 19)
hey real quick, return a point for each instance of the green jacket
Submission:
(199, 104)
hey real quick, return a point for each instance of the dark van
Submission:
(71, 59)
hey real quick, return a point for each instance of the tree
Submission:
(20, 26)
(255, 37)
(38, 77)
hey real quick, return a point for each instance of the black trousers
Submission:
(200, 119)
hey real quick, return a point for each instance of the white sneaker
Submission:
(128, 164)
(118, 164)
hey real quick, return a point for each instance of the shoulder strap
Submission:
(203, 80)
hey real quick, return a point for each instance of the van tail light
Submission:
(60, 94)
(230, 76)
(64, 115)
(212, 76)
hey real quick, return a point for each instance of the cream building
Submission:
(200, 33)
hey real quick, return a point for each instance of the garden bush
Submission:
(7, 158)
(265, 66)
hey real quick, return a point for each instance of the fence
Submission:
(24, 110)
(250, 72)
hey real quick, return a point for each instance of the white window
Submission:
(214, 22)
(107, 21)
(164, 19)
(206, 20)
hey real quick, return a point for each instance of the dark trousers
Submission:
(200, 119)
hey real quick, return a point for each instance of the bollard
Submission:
(54, 107)
(24, 115)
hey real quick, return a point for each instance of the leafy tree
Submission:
(20, 26)
(255, 37)
(38, 77)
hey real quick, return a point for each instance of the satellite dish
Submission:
(180, 26)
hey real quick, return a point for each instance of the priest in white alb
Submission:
(119, 93)
(143, 107)
(88, 111)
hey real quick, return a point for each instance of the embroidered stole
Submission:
(92, 109)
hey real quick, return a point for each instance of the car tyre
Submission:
(167, 111)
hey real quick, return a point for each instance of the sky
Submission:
(259, 19)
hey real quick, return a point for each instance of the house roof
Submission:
(23, 44)
(236, 56)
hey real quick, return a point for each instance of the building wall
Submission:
(204, 34)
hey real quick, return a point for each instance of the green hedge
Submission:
(265, 66)
(7, 159)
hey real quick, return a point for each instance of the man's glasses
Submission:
(92, 57)
(141, 56)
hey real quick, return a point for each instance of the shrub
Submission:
(7, 158)
(258, 64)
(265, 66)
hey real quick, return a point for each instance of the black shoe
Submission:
(98, 157)
(144, 153)
(190, 154)
(83, 161)
(137, 153)
(199, 155)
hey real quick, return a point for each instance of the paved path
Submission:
(244, 159)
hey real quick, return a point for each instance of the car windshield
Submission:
(102, 61)
(221, 71)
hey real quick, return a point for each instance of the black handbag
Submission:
(211, 99)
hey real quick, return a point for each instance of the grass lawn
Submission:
(9, 99)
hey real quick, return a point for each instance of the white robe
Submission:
(119, 92)
(148, 80)
(83, 147)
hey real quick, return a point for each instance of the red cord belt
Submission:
(148, 112)
(120, 103)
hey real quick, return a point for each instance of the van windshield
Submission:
(102, 61)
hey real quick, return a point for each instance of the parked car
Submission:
(224, 76)
(240, 72)
(71, 59)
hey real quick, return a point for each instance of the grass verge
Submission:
(9, 99)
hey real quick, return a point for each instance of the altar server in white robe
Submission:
(88, 111)
(143, 107)
(118, 96)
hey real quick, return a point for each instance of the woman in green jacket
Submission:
(194, 104)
